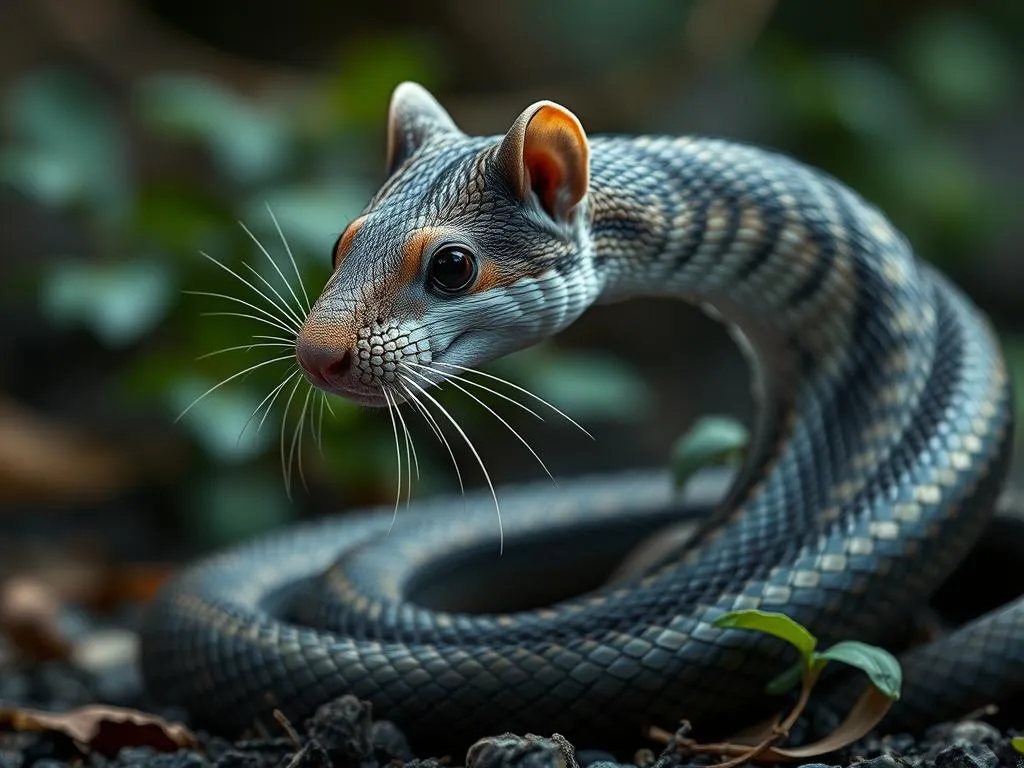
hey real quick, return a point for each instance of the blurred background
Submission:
(136, 134)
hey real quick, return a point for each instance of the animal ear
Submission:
(414, 116)
(546, 153)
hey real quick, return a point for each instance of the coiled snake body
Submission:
(882, 444)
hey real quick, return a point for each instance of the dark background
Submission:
(136, 134)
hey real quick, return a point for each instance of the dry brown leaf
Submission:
(29, 619)
(44, 461)
(102, 729)
(868, 712)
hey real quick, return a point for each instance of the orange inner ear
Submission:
(556, 157)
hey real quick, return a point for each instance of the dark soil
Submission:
(345, 733)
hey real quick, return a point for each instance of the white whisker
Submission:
(320, 423)
(273, 323)
(273, 263)
(270, 395)
(286, 470)
(526, 392)
(285, 323)
(284, 307)
(297, 439)
(271, 404)
(429, 418)
(246, 347)
(479, 460)
(288, 250)
(410, 454)
(453, 377)
(234, 376)
(398, 454)
(496, 415)
(237, 276)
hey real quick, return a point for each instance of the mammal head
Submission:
(473, 247)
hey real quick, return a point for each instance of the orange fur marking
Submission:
(492, 277)
(345, 244)
(412, 253)
(332, 335)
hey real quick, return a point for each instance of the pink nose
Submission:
(328, 366)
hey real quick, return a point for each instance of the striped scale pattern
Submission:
(881, 449)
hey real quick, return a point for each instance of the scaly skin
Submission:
(882, 444)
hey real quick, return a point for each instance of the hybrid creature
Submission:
(880, 447)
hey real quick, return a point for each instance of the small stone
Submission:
(973, 732)
(882, 761)
(508, 750)
(390, 743)
(966, 756)
(343, 728)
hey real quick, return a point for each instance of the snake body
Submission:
(881, 447)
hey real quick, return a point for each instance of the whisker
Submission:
(409, 449)
(297, 439)
(518, 388)
(320, 423)
(270, 395)
(273, 263)
(483, 467)
(330, 408)
(271, 405)
(429, 418)
(288, 250)
(455, 377)
(246, 347)
(398, 454)
(289, 339)
(237, 276)
(248, 317)
(284, 307)
(496, 415)
(282, 323)
(286, 470)
(232, 377)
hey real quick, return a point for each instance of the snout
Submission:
(327, 365)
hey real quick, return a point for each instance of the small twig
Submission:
(289, 729)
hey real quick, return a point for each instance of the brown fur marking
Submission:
(345, 244)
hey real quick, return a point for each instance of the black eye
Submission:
(452, 269)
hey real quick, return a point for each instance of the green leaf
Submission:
(878, 664)
(41, 175)
(963, 64)
(777, 624)
(119, 302)
(249, 142)
(69, 147)
(870, 100)
(712, 440)
(1018, 743)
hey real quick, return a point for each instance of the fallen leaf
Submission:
(102, 729)
(29, 619)
(41, 460)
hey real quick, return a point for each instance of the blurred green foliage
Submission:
(894, 124)
(294, 160)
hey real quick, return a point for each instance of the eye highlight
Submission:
(452, 269)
